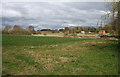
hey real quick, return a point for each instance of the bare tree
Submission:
(31, 29)
(6, 29)
(113, 16)
(18, 30)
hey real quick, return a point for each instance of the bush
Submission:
(65, 33)
(5, 32)
(74, 34)
(45, 34)
(24, 32)
(77, 31)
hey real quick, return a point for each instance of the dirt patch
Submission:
(50, 35)
(69, 36)
(94, 43)
(49, 66)
(30, 52)
(63, 59)
(44, 60)
(52, 46)
(32, 47)
(48, 63)
(70, 46)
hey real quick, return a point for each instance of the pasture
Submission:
(40, 55)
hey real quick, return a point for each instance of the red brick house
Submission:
(102, 32)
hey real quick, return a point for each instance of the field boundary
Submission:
(67, 36)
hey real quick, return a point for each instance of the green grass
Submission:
(0, 62)
(78, 34)
(20, 40)
(55, 33)
(35, 55)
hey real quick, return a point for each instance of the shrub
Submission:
(45, 34)
(66, 33)
(74, 34)
(20, 31)
(24, 32)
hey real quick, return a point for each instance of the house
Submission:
(89, 32)
(83, 32)
(102, 32)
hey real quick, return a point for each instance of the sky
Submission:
(52, 15)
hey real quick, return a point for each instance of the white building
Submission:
(83, 32)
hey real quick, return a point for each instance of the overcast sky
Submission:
(52, 15)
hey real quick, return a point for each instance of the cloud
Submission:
(68, 25)
(57, 1)
(11, 13)
(52, 14)
(105, 12)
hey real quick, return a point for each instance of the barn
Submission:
(102, 32)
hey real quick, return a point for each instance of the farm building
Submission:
(83, 32)
(102, 32)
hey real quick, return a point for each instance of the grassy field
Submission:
(35, 55)
(55, 33)
(78, 34)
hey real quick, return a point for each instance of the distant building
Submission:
(89, 32)
(83, 32)
(102, 32)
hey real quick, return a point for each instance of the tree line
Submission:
(72, 29)
(18, 30)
